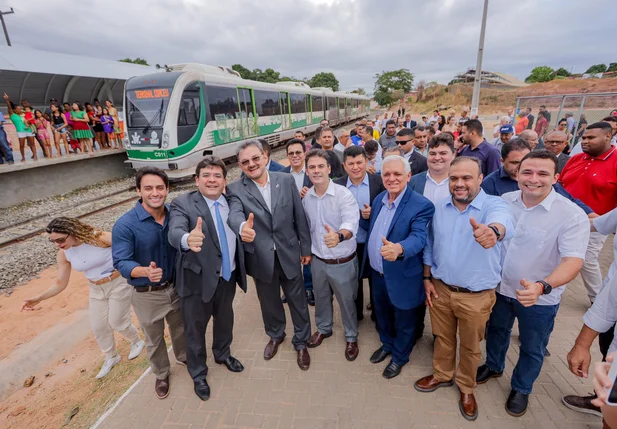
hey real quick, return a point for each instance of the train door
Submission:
(285, 114)
(248, 121)
(308, 108)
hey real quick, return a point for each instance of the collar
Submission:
(267, 181)
(329, 191)
(603, 157)
(503, 174)
(221, 200)
(291, 170)
(546, 202)
(429, 177)
(364, 181)
(477, 203)
(480, 146)
(142, 214)
(396, 202)
(268, 165)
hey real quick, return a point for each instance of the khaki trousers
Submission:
(152, 310)
(468, 312)
(110, 310)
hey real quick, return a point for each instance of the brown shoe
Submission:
(161, 387)
(430, 384)
(304, 360)
(317, 338)
(468, 406)
(271, 348)
(351, 351)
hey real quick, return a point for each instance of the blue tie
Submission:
(223, 242)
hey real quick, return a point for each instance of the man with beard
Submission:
(462, 268)
(388, 139)
(477, 147)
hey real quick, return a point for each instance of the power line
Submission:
(6, 32)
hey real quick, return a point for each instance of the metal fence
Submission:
(585, 109)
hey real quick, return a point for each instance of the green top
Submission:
(79, 114)
(20, 127)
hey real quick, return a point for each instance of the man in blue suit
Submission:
(396, 237)
(271, 164)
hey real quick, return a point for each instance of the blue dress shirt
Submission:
(137, 239)
(452, 251)
(362, 195)
(380, 230)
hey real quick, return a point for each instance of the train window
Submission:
(284, 103)
(331, 103)
(341, 103)
(317, 104)
(222, 103)
(190, 105)
(267, 103)
(297, 103)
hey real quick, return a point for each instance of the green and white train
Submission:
(175, 118)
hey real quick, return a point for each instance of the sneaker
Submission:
(582, 404)
(107, 366)
(136, 349)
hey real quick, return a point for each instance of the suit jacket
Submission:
(418, 163)
(418, 182)
(375, 185)
(275, 166)
(562, 160)
(198, 273)
(410, 124)
(409, 228)
(307, 181)
(284, 227)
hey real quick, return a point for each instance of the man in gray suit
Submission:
(210, 262)
(266, 212)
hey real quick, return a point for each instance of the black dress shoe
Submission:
(310, 298)
(283, 299)
(392, 370)
(379, 355)
(516, 405)
(232, 364)
(202, 390)
(484, 374)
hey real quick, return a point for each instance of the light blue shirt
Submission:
(380, 230)
(452, 251)
(362, 195)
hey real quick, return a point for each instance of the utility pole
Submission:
(476, 84)
(6, 32)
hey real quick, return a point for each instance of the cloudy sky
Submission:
(354, 39)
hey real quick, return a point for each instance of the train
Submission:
(175, 117)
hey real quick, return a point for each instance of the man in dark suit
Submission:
(396, 239)
(271, 164)
(405, 140)
(209, 265)
(409, 123)
(266, 211)
(364, 187)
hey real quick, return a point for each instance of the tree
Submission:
(137, 60)
(597, 68)
(244, 72)
(389, 82)
(612, 67)
(383, 98)
(324, 79)
(562, 72)
(541, 74)
(359, 91)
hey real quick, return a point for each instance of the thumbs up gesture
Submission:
(248, 233)
(153, 273)
(196, 237)
(484, 235)
(390, 251)
(331, 238)
(529, 296)
(371, 167)
(366, 212)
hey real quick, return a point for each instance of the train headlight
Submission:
(165, 143)
(126, 143)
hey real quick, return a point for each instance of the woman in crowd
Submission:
(88, 250)
(23, 131)
(114, 114)
(94, 126)
(41, 130)
(450, 126)
(541, 124)
(81, 129)
(107, 122)
(441, 122)
(60, 127)
(562, 125)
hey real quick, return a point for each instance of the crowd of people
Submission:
(480, 236)
(72, 127)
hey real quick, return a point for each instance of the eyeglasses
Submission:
(554, 142)
(402, 142)
(246, 162)
(296, 153)
(59, 240)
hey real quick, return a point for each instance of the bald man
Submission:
(555, 142)
(531, 138)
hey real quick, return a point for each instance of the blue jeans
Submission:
(535, 325)
(308, 277)
(5, 150)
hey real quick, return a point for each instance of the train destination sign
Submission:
(142, 94)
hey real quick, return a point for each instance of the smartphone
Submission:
(612, 391)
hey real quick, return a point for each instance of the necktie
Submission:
(226, 271)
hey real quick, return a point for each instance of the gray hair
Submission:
(505, 119)
(247, 144)
(394, 158)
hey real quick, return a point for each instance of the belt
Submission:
(337, 261)
(114, 275)
(152, 288)
(459, 289)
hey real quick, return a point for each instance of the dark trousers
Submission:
(307, 276)
(367, 275)
(5, 151)
(396, 327)
(273, 312)
(605, 339)
(196, 314)
(535, 325)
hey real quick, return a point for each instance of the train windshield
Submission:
(147, 107)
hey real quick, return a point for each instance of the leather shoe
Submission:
(317, 338)
(310, 298)
(392, 370)
(271, 348)
(468, 406)
(351, 351)
(379, 355)
(304, 359)
(232, 364)
(484, 374)
(516, 405)
(430, 384)
(161, 387)
(202, 390)
(283, 299)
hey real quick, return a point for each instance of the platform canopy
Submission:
(38, 76)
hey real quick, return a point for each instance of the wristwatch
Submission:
(547, 287)
(341, 237)
(427, 277)
(496, 231)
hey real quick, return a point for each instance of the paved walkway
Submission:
(335, 393)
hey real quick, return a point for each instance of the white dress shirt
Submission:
(434, 191)
(266, 193)
(544, 234)
(231, 237)
(339, 210)
(298, 178)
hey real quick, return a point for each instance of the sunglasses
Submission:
(246, 162)
(402, 142)
(59, 240)
(296, 153)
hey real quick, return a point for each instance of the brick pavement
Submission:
(335, 393)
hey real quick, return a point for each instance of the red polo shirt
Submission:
(593, 180)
